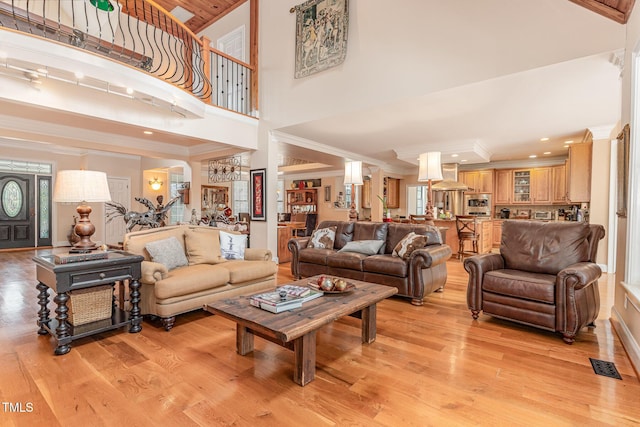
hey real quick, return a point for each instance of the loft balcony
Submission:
(140, 36)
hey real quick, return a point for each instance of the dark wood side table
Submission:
(63, 278)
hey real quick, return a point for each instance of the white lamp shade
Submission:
(430, 167)
(81, 186)
(353, 173)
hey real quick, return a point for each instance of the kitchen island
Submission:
(485, 232)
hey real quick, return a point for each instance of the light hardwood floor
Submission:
(430, 365)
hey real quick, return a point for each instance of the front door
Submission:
(17, 210)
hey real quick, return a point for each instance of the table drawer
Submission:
(96, 277)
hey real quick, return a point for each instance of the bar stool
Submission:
(466, 225)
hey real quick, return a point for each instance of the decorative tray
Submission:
(350, 287)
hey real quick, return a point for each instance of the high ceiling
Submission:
(205, 12)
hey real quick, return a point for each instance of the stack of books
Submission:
(284, 298)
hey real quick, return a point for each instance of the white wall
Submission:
(381, 38)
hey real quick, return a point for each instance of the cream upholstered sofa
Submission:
(167, 291)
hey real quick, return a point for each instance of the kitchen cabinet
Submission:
(392, 192)
(541, 183)
(284, 254)
(559, 184)
(532, 186)
(496, 235)
(302, 201)
(477, 181)
(579, 173)
(365, 201)
(504, 185)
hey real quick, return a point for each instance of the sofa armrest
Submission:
(295, 245)
(577, 276)
(255, 254)
(151, 272)
(477, 266)
(430, 256)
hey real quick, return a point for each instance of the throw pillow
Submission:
(232, 245)
(203, 247)
(168, 252)
(408, 244)
(323, 238)
(365, 247)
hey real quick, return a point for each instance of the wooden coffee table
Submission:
(296, 329)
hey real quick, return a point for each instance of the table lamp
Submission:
(82, 186)
(430, 169)
(353, 176)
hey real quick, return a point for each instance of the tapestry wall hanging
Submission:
(321, 35)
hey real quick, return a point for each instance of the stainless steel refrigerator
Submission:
(449, 200)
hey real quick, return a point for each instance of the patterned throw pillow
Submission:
(408, 244)
(232, 245)
(323, 238)
(168, 252)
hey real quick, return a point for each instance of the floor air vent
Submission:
(607, 369)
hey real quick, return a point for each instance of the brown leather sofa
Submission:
(545, 276)
(423, 272)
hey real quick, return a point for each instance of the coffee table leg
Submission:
(304, 350)
(369, 324)
(244, 340)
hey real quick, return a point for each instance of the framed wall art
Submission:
(321, 35)
(257, 188)
(622, 181)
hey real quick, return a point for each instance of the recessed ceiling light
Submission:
(533, 156)
(148, 132)
(544, 139)
(129, 90)
(565, 146)
(454, 155)
(569, 141)
(79, 74)
(547, 152)
(464, 160)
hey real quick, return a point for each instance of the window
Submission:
(240, 197)
(176, 213)
(416, 199)
(281, 194)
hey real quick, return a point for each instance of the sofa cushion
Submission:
(371, 231)
(191, 279)
(323, 238)
(232, 246)
(365, 247)
(241, 271)
(543, 247)
(397, 232)
(203, 247)
(344, 232)
(315, 256)
(136, 241)
(521, 284)
(408, 244)
(385, 264)
(348, 260)
(168, 252)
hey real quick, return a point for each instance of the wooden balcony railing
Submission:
(142, 34)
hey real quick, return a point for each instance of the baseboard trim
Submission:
(628, 341)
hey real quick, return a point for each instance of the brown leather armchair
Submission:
(545, 276)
